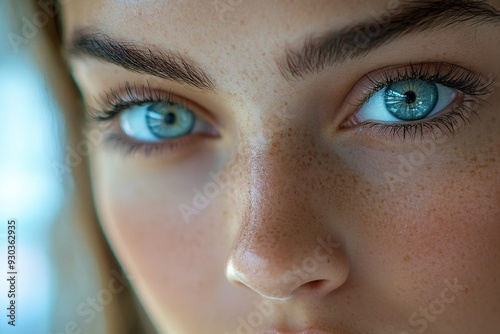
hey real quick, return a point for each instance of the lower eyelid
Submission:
(116, 140)
(172, 148)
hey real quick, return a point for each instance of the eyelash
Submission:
(452, 76)
(472, 85)
(113, 103)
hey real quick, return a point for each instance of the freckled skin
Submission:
(297, 179)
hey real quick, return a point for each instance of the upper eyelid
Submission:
(128, 94)
(114, 101)
(448, 75)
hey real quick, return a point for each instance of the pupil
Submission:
(170, 118)
(410, 97)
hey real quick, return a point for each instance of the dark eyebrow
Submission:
(358, 40)
(141, 58)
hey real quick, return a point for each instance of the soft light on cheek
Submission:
(139, 209)
(147, 214)
(430, 232)
(174, 264)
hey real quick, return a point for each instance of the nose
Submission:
(286, 244)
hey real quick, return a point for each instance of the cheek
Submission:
(426, 241)
(425, 250)
(441, 224)
(175, 264)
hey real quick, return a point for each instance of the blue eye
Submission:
(409, 100)
(160, 121)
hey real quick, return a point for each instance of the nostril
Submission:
(313, 285)
(272, 275)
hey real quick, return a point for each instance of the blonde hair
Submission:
(77, 231)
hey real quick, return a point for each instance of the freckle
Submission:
(407, 258)
(242, 22)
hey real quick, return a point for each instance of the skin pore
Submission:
(323, 223)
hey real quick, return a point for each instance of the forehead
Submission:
(217, 26)
(240, 42)
(214, 15)
(232, 39)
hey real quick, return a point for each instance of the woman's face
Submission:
(283, 166)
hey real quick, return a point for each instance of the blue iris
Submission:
(411, 100)
(169, 120)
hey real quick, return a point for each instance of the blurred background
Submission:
(31, 189)
(63, 265)
(62, 262)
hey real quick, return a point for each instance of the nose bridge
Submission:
(279, 200)
(279, 226)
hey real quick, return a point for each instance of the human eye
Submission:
(143, 118)
(418, 100)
